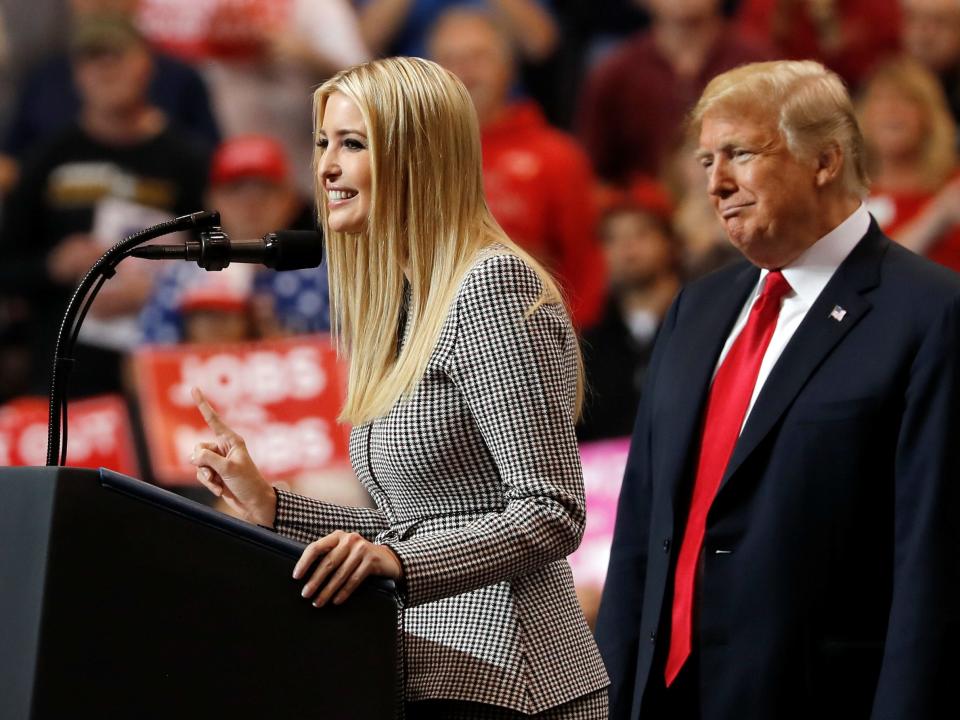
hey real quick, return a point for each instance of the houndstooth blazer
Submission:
(479, 492)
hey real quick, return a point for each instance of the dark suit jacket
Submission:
(830, 564)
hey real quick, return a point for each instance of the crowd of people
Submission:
(117, 114)
(525, 244)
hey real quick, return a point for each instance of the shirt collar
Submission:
(809, 274)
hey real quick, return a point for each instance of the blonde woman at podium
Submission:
(464, 384)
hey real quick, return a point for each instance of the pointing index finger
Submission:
(210, 415)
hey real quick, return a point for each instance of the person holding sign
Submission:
(465, 380)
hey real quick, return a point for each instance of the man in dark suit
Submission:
(786, 542)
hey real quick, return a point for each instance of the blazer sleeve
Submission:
(516, 370)
(619, 619)
(920, 665)
(306, 519)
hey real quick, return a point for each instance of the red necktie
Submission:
(726, 408)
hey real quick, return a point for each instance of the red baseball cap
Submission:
(226, 291)
(249, 156)
(643, 194)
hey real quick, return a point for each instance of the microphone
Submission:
(282, 250)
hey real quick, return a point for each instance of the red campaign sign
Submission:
(225, 29)
(282, 396)
(99, 434)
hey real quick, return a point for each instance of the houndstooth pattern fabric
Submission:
(306, 519)
(589, 707)
(479, 492)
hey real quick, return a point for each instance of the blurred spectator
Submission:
(587, 31)
(15, 358)
(849, 36)
(30, 33)
(643, 266)
(931, 34)
(912, 157)
(217, 308)
(538, 182)
(119, 168)
(250, 185)
(607, 22)
(262, 59)
(633, 105)
(603, 24)
(401, 27)
(5, 66)
(7, 166)
(49, 100)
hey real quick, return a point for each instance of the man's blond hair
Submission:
(810, 104)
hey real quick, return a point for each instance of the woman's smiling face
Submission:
(343, 165)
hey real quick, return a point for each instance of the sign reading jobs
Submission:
(282, 396)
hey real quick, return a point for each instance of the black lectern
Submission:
(121, 600)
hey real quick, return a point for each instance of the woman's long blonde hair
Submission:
(428, 217)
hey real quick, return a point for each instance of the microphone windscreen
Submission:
(294, 249)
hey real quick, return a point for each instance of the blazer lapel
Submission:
(818, 334)
(693, 365)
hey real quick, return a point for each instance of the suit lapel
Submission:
(694, 363)
(820, 331)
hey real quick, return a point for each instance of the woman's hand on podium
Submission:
(226, 469)
(347, 559)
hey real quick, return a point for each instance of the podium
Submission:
(121, 600)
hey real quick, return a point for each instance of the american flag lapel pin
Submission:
(838, 313)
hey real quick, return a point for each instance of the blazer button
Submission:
(653, 636)
(666, 544)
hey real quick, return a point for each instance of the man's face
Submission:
(931, 32)
(471, 49)
(766, 199)
(211, 326)
(113, 80)
(252, 207)
(636, 249)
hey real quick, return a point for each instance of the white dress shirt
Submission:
(808, 275)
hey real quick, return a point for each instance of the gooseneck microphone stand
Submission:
(83, 296)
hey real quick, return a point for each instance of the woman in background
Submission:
(911, 145)
(465, 381)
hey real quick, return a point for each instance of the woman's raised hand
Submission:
(226, 469)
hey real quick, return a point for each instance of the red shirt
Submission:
(633, 106)
(540, 188)
(893, 210)
(869, 30)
